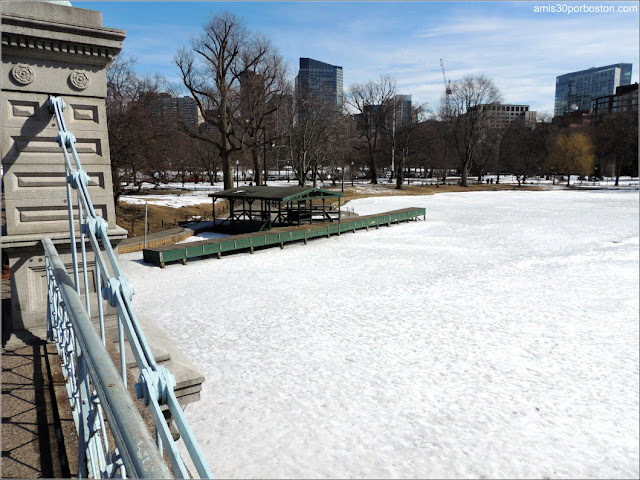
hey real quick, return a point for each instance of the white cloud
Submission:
(521, 51)
(523, 55)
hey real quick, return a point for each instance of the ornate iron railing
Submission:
(95, 387)
(90, 385)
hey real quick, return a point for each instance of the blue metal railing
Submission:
(156, 384)
(94, 387)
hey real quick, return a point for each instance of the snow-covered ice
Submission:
(497, 339)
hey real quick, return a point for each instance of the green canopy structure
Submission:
(279, 205)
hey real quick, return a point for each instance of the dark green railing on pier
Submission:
(278, 236)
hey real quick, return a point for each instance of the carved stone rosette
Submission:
(79, 80)
(23, 74)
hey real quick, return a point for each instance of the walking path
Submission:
(165, 237)
(37, 424)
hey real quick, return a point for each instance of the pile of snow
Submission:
(497, 339)
(203, 236)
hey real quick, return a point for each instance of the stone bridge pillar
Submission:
(50, 49)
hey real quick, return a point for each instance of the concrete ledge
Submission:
(116, 235)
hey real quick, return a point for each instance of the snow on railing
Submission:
(155, 385)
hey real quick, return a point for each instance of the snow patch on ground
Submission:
(174, 201)
(203, 236)
(499, 338)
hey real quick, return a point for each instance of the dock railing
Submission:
(88, 369)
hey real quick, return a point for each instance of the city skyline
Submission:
(521, 49)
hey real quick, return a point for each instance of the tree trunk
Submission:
(400, 176)
(465, 173)
(227, 171)
(372, 168)
(258, 177)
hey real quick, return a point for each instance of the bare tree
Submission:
(207, 156)
(211, 71)
(403, 136)
(616, 141)
(137, 145)
(373, 106)
(467, 118)
(444, 145)
(312, 125)
(263, 89)
(525, 149)
(487, 151)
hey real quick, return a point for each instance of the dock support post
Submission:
(219, 255)
(161, 264)
(184, 261)
(251, 250)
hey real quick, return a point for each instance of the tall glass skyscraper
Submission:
(576, 90)
(322, 80)
(403, 110)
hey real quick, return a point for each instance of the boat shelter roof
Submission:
(282, 194)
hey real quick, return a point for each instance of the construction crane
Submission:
(447, 83)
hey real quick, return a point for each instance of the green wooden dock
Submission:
(277, 236)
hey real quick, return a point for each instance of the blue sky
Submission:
(522, 50)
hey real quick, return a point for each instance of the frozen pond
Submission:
(499, 338)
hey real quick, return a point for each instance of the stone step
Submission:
(188, 379)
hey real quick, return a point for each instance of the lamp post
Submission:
(351, 174)
(237, 176)
(264, 153)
